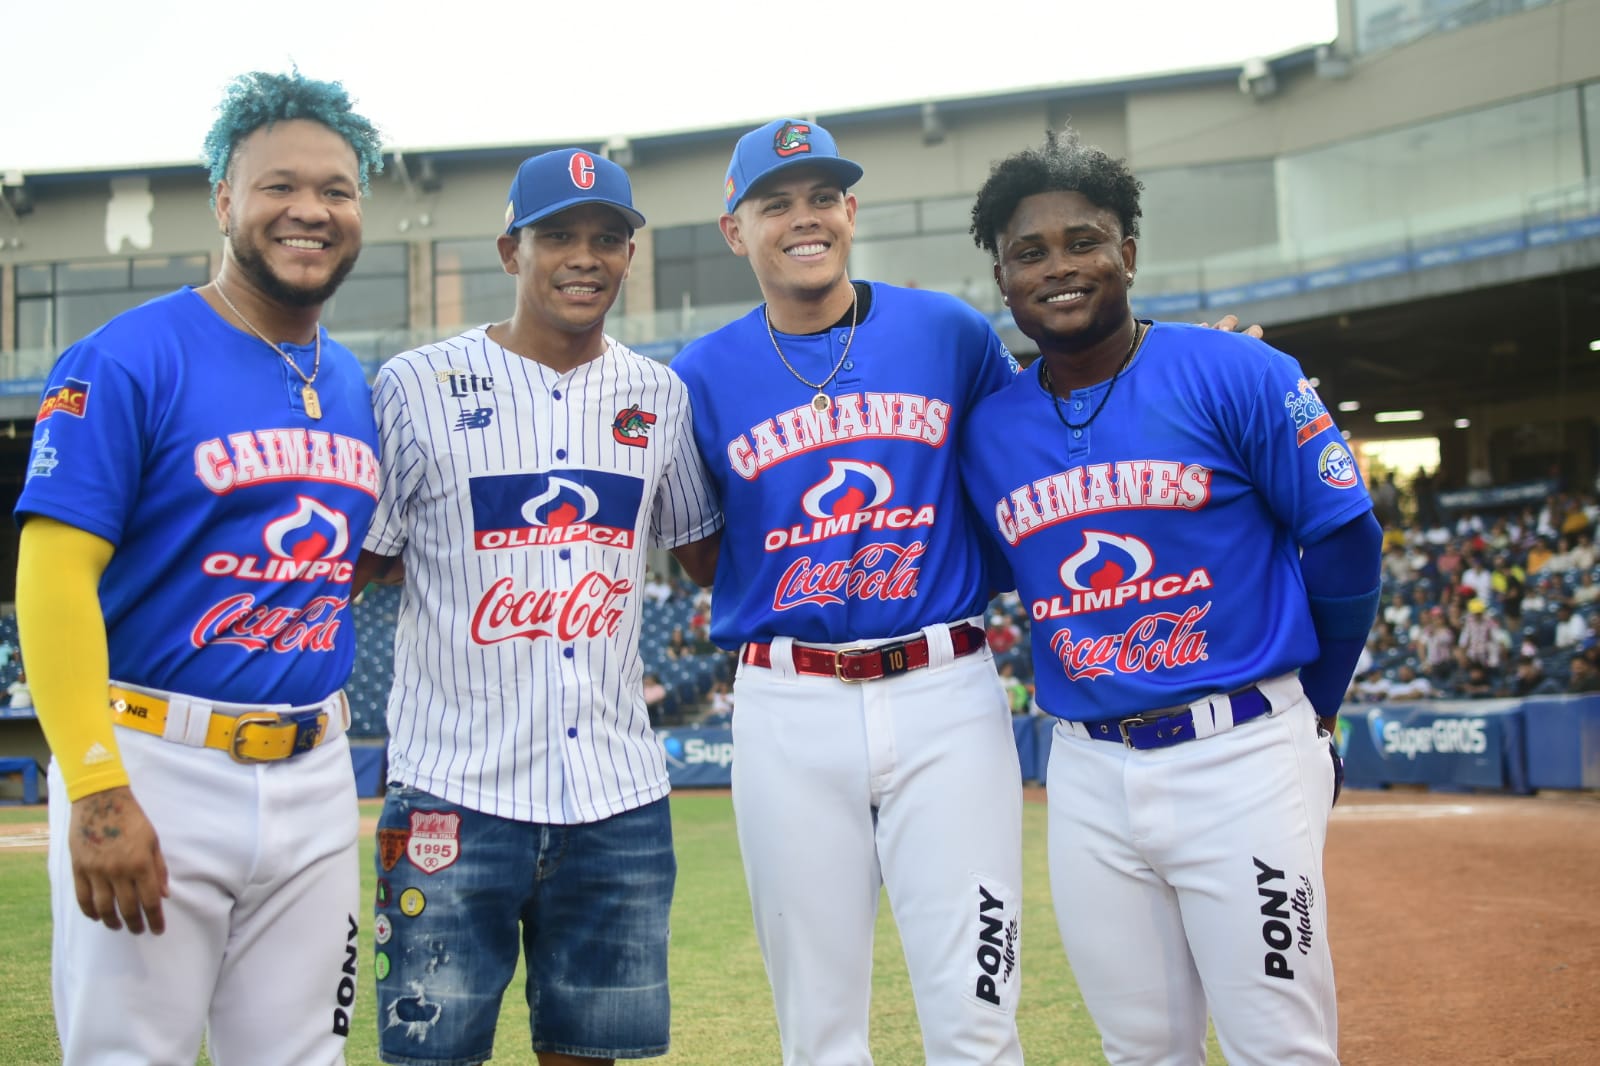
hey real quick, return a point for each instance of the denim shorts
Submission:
(593, 902)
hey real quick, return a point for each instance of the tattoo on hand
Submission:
(100, 807)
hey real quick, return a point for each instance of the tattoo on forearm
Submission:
(97, 811)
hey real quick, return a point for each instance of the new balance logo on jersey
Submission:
(464, 383)
(475, 418)
(1109, 571)
(849, 500)
(855, 416)
(225, 464)
(1097, 487)
(555, 508)
(632, 427)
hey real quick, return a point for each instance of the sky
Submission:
(102, 83)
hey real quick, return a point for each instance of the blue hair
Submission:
(258, 99)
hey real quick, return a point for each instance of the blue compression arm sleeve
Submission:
(1342, 582)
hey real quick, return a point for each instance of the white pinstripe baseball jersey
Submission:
(523, 502)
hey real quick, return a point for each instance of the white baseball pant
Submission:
(1192, 876)
(910, 782)
(261, 924)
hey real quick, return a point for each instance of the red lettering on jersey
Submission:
(590, 609)
(1158, 641)
(875, 572)
(581, 167)
(238, 620)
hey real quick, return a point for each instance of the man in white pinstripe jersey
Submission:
(526, 468)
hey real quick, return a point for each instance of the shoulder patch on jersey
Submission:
(1336, 467)
(70, 398)
(632, 427)
(44, 458)
(1307, 411)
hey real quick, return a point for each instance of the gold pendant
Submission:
(821, 403)
(308, 396)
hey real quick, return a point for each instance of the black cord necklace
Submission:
(1049, 386)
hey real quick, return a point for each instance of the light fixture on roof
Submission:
(1397, 416)
(1463, 423)
(1349, 405)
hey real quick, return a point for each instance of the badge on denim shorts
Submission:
(435, 840)
(391, 845)
(382, 929)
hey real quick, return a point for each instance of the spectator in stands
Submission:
(1583, 676)
(1511, 597)
(1572, 628)
(1409, 685)
(1478, 578)
(1426, 492)
(1386, 501)
(1017, 694)
(1527, 678)
(1587, 590)
(7, 650)
(1003, 633)
(18, 696)
(721, 698)
(1398, 614)
(656, 590)
(1540, 554)
(655, 697)
(1477, 684)
(678, 644)
(1436, 644)
(1449, 563)
(1483, 641)
(700, 642)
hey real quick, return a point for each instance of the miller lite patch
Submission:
(435, 840)
(391, 845)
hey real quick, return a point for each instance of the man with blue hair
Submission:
(204, 470)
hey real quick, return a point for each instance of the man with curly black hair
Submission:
(1200, 561)
(203, 472)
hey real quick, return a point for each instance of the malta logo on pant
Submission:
(435, 840)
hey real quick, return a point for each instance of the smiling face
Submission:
(796, 231)
(1063, 266)
(291, 209)
(569, 267)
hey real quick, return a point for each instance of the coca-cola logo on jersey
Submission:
(875, 572)
(242, 622)
(1161, 640)
(593, 607)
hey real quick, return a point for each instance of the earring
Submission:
(1006, 300)
(1130, 279)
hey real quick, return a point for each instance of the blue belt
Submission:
(1162, 729)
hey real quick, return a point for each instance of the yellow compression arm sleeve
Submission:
(63, 637)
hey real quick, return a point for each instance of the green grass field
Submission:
(722, 1011)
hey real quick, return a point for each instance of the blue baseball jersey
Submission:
(848, 524)
(236, 518)
(1157, 549)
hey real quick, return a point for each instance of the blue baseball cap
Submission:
(780, 144)
(551, 182)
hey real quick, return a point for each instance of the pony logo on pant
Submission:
(1286, 919)
(995, 954)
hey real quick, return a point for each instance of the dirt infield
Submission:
(1465, 928)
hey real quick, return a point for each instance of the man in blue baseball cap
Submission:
(874, 740)
(526, 468)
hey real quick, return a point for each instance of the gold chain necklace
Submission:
(820, 401)
(308, 395)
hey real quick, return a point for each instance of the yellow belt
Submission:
(251, 736)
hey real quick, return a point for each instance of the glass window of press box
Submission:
(1495, 170)
(1385, 24)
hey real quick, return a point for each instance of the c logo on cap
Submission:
(581, 167)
